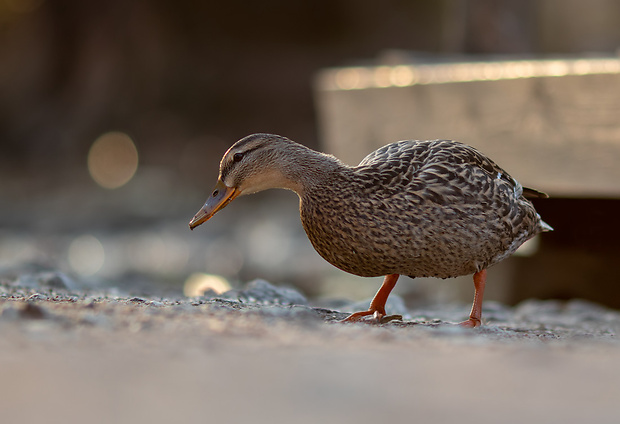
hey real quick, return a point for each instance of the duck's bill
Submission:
(220, 198)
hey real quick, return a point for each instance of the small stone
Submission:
(210, 294)
(47, 279)
(137, 300)
(37, 296)
(262, 292)
(220, 305)
(55, 280)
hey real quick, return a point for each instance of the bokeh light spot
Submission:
(348, 78)
(86, 255)
(197, 284)
(403, 76)
(112, 160)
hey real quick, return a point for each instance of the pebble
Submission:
(37, 296)
(137, 300)
(262, 292)
(46, 279)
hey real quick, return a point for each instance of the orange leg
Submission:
(480, 279)
(377, 305)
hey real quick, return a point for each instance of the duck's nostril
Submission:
(215, 193)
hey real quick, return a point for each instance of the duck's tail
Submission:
(544, 226)
(530, 193)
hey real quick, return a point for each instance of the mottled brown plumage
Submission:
(419, 208)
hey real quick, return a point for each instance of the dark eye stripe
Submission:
(237, 157)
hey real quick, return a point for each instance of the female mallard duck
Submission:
(419, 208)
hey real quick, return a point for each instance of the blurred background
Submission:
(114, 116)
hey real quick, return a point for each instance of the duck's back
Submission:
(419, 208)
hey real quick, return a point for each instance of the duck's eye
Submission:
(237, 157)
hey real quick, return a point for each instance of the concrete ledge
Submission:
(553, 124)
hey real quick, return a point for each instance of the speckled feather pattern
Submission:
(418, 208)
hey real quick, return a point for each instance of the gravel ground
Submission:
(264, 354)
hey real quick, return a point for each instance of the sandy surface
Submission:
(97, 358)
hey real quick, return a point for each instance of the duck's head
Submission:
(254, 163)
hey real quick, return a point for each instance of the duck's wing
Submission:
(393, 167)
(473, 157)
(437, 163)
(441, 161)
(465, 157)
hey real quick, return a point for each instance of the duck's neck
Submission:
(303, 169)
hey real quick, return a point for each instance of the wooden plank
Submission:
(554, 125)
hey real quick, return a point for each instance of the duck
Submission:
(420, 208)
